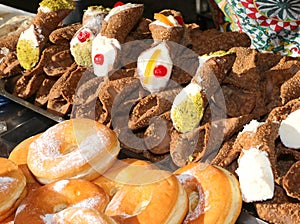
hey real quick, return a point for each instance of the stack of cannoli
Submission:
(174, 94)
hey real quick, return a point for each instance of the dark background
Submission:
(186, 7)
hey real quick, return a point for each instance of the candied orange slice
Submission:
(162, 18)
(150, 65)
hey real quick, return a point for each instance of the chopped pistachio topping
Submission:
(188, 113)
(83, 53)
(98, 8)
(28, 54)
(58, 4)
(219, 53)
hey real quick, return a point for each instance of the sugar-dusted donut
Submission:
(43, 204)
(222, 195)
(12, 187)
(123, 172)
(19, 153)
(75, 148)
(158, 198)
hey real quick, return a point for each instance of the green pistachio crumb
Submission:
(58, 4)
(28, 54)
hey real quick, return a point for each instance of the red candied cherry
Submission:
(118, 4)
(179, 20)
(83, 36)
(160, 71)
(99, 59)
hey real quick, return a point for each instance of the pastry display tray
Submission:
(6, 90)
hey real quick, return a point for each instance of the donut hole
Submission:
(195, 194)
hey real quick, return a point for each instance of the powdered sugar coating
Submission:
(5, 183)
(62, 150)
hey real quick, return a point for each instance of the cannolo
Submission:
(10, 65)
(278, 114)
(104, 55)
(93, 17)
(257, 145)
(280, 209)
(151, 106)
(141, 32)
(81, 43)
(187, 109)
(36, 74)
(289, 90)
(58, 63)
(154, 67)
(121, 20)
(68, 89)
(291, 181)
(28, 84)
(200, 144)
(42, 95)
(57, 104)
(286, 158)
(167, 28)
(234, 96)
(11, 30)
(158, 134)
(276, 76)
(212, 70)
(63, 35)
(109, 90)
(33, 40)
(224, 41)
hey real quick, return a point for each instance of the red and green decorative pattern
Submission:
(273, 25)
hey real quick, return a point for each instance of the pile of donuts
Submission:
(71, 173)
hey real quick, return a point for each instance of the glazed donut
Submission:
(76, 148)
(223, 199)
(73, 215)
(43, 204)
(161, 199)
(121, 173)
(19, 154)
(12, 187)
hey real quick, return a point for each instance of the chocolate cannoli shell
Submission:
(120, 24)
(58, 63)
(43, 24)
(213, 72)
(57, 104)
(27, 85)
(161, 33)
(42, 94)
(68, 90)
(223, 41)
(158, 134)
(264, 139)
(291, 181)
(281, 209)
(48, 21)
(10, 65)
(110, 90)
(182, 146)
(290, 90)
(151, 106)
(63, 35)
(280, 113)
